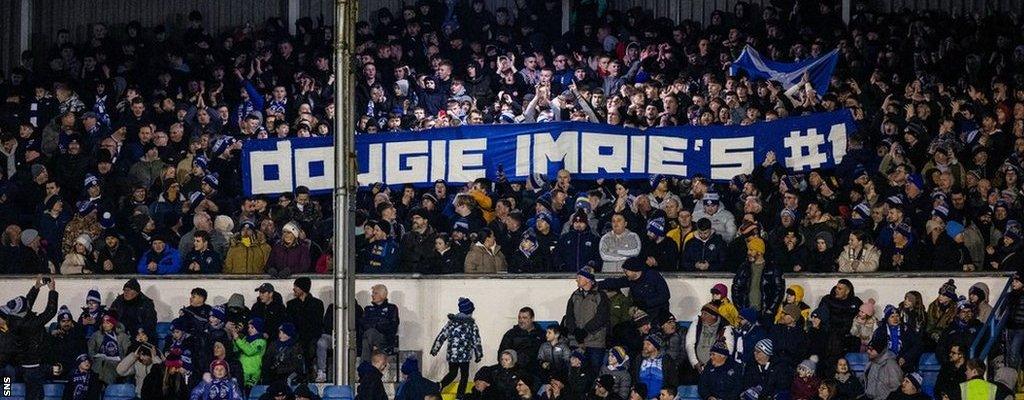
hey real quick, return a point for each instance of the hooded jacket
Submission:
(587, 315)
(526, 343)
(882, 376)
(798, 298)
(135, 314)
(983, 308)
(463, 338)
(273, 314)
(250, 354)
(481, 260)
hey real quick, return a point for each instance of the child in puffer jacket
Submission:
(618, 367)
(464, 344)
(864, 324)
(554, 354)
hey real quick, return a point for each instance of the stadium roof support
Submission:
(344, 192)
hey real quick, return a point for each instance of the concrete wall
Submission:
(425, 302)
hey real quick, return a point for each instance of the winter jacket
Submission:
(250, 354)
(209, 262)
(242, 259)
(865, 260)
(722, 222)
(615, 249)
(417, 250)
(982, 307)
(722, 382)
(167, 262)
(281, 360)
(587, 317)
(378, 257)
(65, 346)
(939, 317)
(712, 251)
(29, 332)
(122, 257)
(463, 338)
(308, 317)
(384, 318)
(882, 376)
(804, 388)
(218, 389)
(94, 388)
(575, 250)
(909, 344)
(371, 384)
(526, 343)
(286, 260)
(789, 344)
(841, 313)
(649, 292)
(152, 388)
(772, 378)
(135, 314)
(724, 333)
(746, 338)
(481, 260)
(848, 386)
(863, 330)
(1015, 307)
(104, 358)
(273, 314)
(416, 387)
(798, 298)
(649, 372)
(773, 287)
(556, 356)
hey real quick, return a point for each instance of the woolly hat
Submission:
(868, 307)
(292, 228)
(28, 236)
(81, 358)
(862, 210)
(221, 363)
(753, 393)
(785, 212)
(655, 341)
(756, 244)
(748, 314)
(915, 379)
(466, 306)
(656, 227)
(916, 180)
(948, 289)
(711, 198)
(640, 316)
(809, 365)
(889, 311)
(484, 374)
(133, 284)
(720, 348)
(64, 314)
(258, 323)
(93, 295)
(764, 346)
(633, 264)
(619, 354)
(212, 179)
(954, 228)
(588, 273)
(37, 169)
(289, 329)
(218, 313)
(941, 212)
(109, 318)
(411, 366)
(582, 202)
(720, 289)
(173, 359)
(85, 240)
(964, 304)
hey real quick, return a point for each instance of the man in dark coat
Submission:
(962, 330)
(116, 256)
(134, 310)
(379, 327)
(647, 288)
(788, 337)
(772, 285)
(525, 338)
(270, 307)
(902, 340)
(765, 373)
(656, 369)
(307, 313)
(67, 342)
(842, 306)
(577, 247)
(660, 253)
(29, 330)
(371, 386)
(721, 377)
(417, 246)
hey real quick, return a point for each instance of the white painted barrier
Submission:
(424, 302)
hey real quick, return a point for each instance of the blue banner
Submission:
(819, 70)
(588, 151)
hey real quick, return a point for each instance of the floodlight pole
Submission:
(344, 193)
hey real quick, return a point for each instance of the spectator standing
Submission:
(269, 306)
(578, 247)
(763, 294)
(587, 317)
(306, 312)
(788, 337)
(29, 332)
(618, 245)
(647, 288)
(84, 383)
(485, 256)
(709, 330)
(250, 346)
(748, 333)
(464, 344)
(842, 305)
(68, 340)
(883, 374)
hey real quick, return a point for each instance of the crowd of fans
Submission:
(120, 155)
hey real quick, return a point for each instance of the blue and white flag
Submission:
(788, 74)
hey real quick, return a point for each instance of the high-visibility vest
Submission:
(977, 389)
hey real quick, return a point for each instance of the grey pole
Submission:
(344, 192)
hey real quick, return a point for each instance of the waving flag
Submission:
(788, 74)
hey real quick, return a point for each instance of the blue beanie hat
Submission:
(466, 306)
(916, 180)
(748, 314)
(179, 324)
(64, 314)
(655, 341)
(258, 323)
(411, 366)
(588, 273)
(720, 348)
(954, 228)
(765, 346)
(889, 310)
(94, 295)
(289, 329)
(218, 312)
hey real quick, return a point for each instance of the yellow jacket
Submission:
(798, 298)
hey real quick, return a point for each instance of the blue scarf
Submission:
(110, 347)
(277, 106)
(652, 373)
(186, 354)
(895, 342)
(219, 389)
(80, 384)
